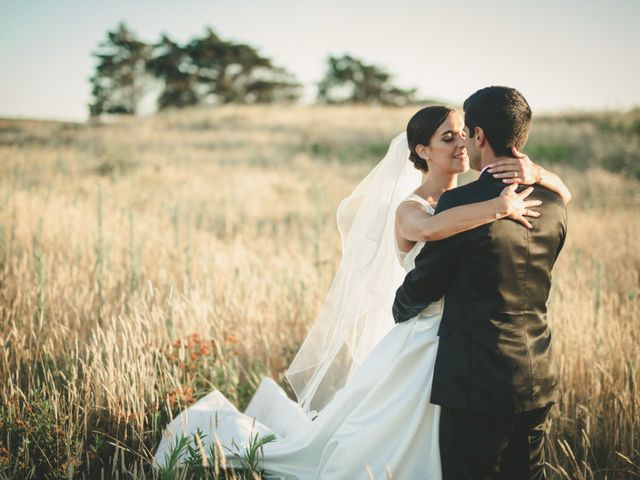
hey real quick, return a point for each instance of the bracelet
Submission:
(497, 215)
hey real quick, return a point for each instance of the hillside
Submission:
(147, 261)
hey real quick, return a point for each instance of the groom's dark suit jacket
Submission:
(494, 353)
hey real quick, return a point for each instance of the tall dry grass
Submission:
(147, 262)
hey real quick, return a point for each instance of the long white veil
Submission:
(357, 311)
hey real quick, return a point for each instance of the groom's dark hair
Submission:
(503, 114)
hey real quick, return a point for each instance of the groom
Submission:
(495, 376)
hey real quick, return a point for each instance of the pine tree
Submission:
(171, 64)
(230, 72)
(350, 80)
(120, 81)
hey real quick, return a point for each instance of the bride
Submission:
(363, 384)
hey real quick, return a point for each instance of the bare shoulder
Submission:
(408, 207)
(415, 204)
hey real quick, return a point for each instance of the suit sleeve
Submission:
(564, 232)
(435, 268)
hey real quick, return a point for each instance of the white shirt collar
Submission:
(482, 171)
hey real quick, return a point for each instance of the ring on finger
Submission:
(515, 174)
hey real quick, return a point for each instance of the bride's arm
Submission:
(529, 173)
(554, 183)
(414, 224)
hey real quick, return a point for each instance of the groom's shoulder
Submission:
(551, 201)
(457, 196)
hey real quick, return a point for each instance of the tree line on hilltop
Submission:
(211, 70)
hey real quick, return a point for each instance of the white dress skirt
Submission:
(380, 425)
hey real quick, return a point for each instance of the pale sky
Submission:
(562, 54)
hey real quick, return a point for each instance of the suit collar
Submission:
(485, 175)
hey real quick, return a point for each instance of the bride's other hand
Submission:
(516, 170)
(517, 206)
(522, 170)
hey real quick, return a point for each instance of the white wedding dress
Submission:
(379, 425)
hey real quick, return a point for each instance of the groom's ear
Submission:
(479, 136)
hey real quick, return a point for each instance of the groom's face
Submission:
(472, 149)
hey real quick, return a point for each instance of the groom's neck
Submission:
(487, 159)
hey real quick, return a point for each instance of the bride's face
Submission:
(446, 152)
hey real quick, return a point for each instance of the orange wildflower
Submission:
(231, 338)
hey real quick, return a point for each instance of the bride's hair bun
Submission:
(421, 128)
(419, 163)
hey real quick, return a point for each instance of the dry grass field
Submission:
(145, 262)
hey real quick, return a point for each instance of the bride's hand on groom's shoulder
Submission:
(516, 170)
(516, 205)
